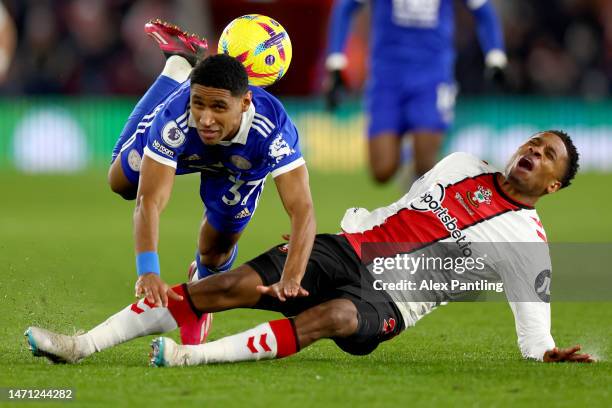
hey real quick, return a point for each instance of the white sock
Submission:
(275, 339)
(136, 320)
(177, 68)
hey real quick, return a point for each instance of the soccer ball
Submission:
(261, 44)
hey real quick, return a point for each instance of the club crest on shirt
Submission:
(388, 325)
(240, 162)
(279, 149)
(482, 195)
(172, 135)
(134, 160)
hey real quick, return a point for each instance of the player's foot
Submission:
(56, 347)
(166, 353)
(197, 332)
(174, 41)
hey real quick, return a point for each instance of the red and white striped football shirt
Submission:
(460, 201)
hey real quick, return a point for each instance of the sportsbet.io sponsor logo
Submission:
(432, 201)
(172, 135)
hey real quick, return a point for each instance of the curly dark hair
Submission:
(223, 72)
(572, 157)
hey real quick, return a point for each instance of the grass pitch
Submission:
(67, 261)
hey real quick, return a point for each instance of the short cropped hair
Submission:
(223, 72)
(572, 157)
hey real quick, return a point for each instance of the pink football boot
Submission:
(174, 41)
(196, 333)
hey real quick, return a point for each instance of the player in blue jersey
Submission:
(208, 120)
(410, 87)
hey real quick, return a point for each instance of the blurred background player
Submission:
(411, 87)
(207, 119)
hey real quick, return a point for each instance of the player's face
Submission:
(538, 165)
(217, 113)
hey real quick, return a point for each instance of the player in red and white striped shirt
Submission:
(459, 207)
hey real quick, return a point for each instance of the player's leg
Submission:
(329, 310)
(229, 204)
(429, 113)
(127, 154)
(384, 127)
(384, 155)
(426, 147)
(355, 315)
(181, 51)
(358, 318)
(232, 289)
(217, 248)
(336, 318)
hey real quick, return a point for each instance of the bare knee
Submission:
(226, 290)
(217, 285)
(119, 183)
(223, 283)
(341, 321)
(384, 151)
(125, 193)
(212, 257)
(427, 145)
(382, 172)
(335, 318)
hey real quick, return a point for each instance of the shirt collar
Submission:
(243, 131)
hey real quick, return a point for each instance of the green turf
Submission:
(67, 261)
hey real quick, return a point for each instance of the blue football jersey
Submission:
(267, 141)
(417, 33)
(233, 171)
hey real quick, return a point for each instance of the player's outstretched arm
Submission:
(532, 320)
(491, 39)
(570, 354)
(339, 25)
(154, 189)
(294, 190)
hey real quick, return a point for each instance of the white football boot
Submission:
(56, 347)
(165, 352)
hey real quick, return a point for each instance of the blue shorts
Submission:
(229, 202)
(394, 104)
(131, 157)
(133, 137)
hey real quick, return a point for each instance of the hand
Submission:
(155, 290)
(568, 354)
(283, 289)
(333, 88)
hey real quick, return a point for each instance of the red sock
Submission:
(286, 337)
(182, 311)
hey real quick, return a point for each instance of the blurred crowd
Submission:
(556, 47)
(90, 46)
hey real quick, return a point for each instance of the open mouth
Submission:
(525, 163)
